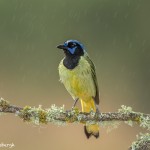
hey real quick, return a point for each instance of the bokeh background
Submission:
(116, 34)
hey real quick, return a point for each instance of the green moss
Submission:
(76, 110)
(3, 103)
(35, 115)
(142, 140)
(71, 117)
(26, 108)
(137, 119)
(55, 112)
(42, 116)
(25, 113)
(125, 109)
(144, 122)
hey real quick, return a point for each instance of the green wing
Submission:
(96, 97)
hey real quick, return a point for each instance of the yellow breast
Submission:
(78, 81)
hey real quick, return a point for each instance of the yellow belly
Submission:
(78, 82)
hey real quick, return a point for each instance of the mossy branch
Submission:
(142, 143)
(58, 115)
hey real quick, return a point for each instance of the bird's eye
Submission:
(71, 45)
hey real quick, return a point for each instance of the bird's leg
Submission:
(97, 108)
(75, 102)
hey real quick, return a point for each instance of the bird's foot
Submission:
(73, 110)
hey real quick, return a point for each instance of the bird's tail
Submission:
(92, 129)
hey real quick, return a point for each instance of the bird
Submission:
(77, 73)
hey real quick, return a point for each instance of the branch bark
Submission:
(74, 115)
(58, 115)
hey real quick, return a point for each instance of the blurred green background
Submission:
(117, 37)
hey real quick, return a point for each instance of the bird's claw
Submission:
(75, 109)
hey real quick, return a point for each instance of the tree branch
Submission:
(58, 115)
(142, 143)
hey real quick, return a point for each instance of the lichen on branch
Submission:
(59, 116)
(142, 143)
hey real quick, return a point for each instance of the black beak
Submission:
(61, 46)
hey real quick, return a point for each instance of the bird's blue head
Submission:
(72, 47)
